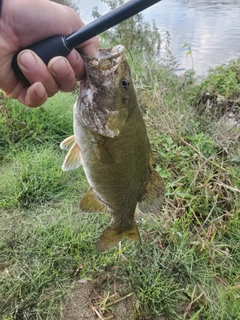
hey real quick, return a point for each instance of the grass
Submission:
(187, 266)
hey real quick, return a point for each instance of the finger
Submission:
(89, 47)
(9, 83)
(63, 73)
(35, 70)
(77, 64)
(34, 96)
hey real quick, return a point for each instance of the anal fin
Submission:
(111, 237)
(91, 203)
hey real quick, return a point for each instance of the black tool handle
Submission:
(62, 45)
(46, 50)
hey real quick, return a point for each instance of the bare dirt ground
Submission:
(89, 301)
(219, 106)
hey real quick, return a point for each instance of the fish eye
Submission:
(125, 83)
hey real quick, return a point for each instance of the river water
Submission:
(211, 28)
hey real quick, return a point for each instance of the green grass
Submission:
(187, 266)
(21, 126)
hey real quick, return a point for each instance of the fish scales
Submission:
(110, 141)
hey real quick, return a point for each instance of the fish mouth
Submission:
(107, 58)
(111, 53)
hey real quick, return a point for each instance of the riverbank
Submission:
(187, 266)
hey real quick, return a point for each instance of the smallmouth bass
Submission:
(110, 141)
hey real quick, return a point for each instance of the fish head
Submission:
(105, 92)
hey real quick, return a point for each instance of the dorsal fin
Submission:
(152, 163)
(154, 195)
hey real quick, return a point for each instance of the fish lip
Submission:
(107, 58)
(111, 53)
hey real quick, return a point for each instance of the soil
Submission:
(88, 301)
(219, 106)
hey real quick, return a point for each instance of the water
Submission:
(210, 28)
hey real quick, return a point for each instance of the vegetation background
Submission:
(187, 266)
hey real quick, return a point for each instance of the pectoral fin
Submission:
(111, 237)
(115, 122)
(102, 154)
(72, 159)
(154, 194)
(67, 143)
(91, 203)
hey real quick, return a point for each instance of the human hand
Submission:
(24, 22)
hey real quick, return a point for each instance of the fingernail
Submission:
(39, 90)
(76, 55)
(60, 67)
(28, 60)
(95, 53)
(92, 53)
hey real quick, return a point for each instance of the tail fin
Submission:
(111, 237)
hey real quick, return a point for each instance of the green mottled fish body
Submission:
(111, 143)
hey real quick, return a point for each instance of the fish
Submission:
(111, 144)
